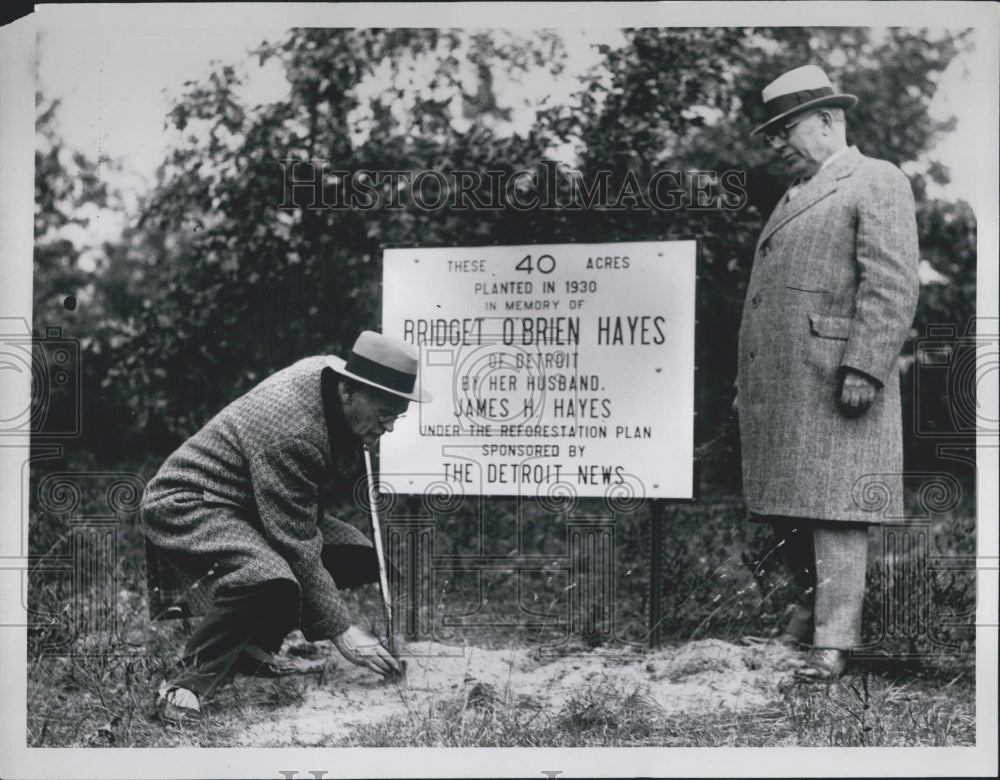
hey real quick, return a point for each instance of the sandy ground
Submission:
(700, 676)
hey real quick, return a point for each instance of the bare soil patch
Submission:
(697, 677)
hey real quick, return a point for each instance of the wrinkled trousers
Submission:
(260, 615)
(828, 561)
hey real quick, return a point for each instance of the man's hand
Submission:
(857, 393)
(361, 648)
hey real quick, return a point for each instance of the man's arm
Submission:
(284, 479)
(888, 285)
(857, 392)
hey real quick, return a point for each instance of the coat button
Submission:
(753, 355)
(755, 301)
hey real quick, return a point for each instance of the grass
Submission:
(90, 687)
(863, 710)
(594, 715)
(96, 702)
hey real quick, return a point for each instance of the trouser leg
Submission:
(841, 559)
(796, 549)
(352, 565)
(261, 614)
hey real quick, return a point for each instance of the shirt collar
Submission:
(799, 182)
(345, 446)
(834, 156)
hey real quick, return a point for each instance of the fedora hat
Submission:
(382, 362)
(798, 90)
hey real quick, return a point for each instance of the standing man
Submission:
(236, 523)
(831, 297)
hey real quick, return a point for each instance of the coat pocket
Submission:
(830, 326)
(805, 290)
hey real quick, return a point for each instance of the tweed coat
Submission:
(242, 501)
(834, 285)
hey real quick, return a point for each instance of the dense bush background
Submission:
(213, 286)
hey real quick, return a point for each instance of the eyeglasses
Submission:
(785, 131)
(385, 420)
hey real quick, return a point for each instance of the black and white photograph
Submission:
(587, 381)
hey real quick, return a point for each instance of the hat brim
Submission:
(419, 395)
(839, 101)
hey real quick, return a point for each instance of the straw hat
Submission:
(382, 362)
(798, 90)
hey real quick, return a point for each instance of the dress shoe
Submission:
(798, 630)
(825, 664)
(177, 705)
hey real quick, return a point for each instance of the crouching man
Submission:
(236, 527)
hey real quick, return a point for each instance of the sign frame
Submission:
(690, 490)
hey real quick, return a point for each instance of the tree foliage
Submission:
(83, 291)
(218, 285)
(66, 184)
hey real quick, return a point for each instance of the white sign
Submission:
(557, 370)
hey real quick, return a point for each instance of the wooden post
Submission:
(657, 512)
(418, 571)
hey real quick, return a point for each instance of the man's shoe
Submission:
(177, 705)
(825, 664)
(798, 630)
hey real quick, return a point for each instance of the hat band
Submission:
(400, 381)
(783, 103)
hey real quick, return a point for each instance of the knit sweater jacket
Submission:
(242, 501)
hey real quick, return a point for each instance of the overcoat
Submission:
(245, 500)
(834, 284)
